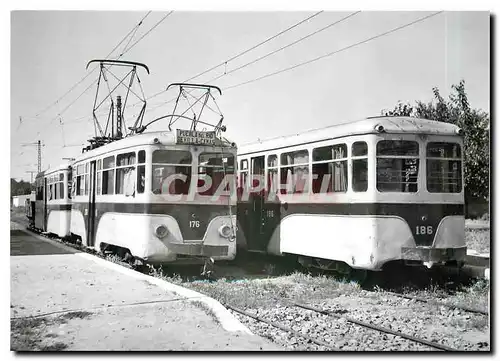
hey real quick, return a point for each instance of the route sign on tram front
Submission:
(195, 137)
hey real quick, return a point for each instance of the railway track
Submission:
(420, 299)
(323, 311)
(320, 342)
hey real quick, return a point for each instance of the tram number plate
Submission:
(421, 230)
(194, 224)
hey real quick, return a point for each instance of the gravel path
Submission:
(449, 327)
(453, 328)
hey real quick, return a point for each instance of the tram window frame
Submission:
(244, 171)
(157, 163)
(359, 158)
(213, 170)
(141, 171)
(108, 175)
(87, 179)
(330, 165)
(39, 190)
(450, 160)
(289, 170)
(401, 154)
(69, 187)
(98, 176)
(78, 181)
(125, 173)
(272, 176)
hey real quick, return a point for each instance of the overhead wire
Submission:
(126, 50)
(334, 52)
(149, 31)
(88, 74)
(286, 46)
(244, 52)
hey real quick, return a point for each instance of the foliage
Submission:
(475, 124)
(19, 188)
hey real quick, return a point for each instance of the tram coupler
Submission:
(208, 268)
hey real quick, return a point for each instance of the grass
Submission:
(263, 292)
(158, 272)
(475, 296)
(206, 309)
(478, 240)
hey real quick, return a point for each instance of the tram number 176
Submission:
(420, 230)
(194, 224)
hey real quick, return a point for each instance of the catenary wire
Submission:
(334, 52)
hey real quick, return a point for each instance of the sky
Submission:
(49, 52)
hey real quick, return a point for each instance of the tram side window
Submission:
(330, 169)
(359, 155)
(171, 171)
(141, 171)
(60, 195)
(272, 174)
(397, 166)
(80, 170)
(125, 174)
(99, 176)
(108, 175)
(70, 186)
(295, 172)
(87, 178)
(213, 168)
(243, 173)
(444, 167)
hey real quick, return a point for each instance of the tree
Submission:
(19, 188)
(475, 124)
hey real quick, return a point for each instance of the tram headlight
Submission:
(161, 231)
(225, 231)
(380, 128)
(460, 131)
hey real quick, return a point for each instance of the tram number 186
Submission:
(420, 230)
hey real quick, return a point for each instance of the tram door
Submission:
(91, 205)
(256, 240)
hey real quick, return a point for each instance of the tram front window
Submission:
(171, 172)
(444, 167)
(213, 167)
(397, 166)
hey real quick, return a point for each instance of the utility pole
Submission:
(39, 149)
(39, 156)
(31, 177)
(119, 116)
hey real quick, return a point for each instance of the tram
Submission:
(358, 195)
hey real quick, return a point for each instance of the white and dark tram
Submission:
(358, 195)
(148, 196)
(51, 210)
(156, 196)
(140, 197)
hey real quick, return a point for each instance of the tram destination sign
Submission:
(195, 137)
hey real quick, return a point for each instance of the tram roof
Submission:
(391, 124)
(60, 167)
(146, 138)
